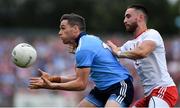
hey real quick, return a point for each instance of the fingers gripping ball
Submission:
(24, 55)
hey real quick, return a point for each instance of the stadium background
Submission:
(37, 22)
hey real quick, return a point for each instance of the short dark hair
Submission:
(141, 8)
(75, 19)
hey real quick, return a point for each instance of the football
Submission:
(24, 55)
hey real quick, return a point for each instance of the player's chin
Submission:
(127, 28)
(64, 41)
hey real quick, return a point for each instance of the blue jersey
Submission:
(105, 68)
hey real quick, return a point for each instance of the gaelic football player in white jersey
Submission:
(148, 52)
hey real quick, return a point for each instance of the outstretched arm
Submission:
(139, 52)
(73, 84)
(38, 83)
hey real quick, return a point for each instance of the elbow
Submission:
(82, 86)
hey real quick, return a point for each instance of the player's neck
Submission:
(139, 31)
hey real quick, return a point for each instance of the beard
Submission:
(131, 28)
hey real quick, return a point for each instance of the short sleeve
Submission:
(153, 36)
(84, 58)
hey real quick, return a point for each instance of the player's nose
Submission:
(60, 33)
(125, 21)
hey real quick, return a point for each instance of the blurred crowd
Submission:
(54, 58)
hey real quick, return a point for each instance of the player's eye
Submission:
(127, 16)
(62, 28)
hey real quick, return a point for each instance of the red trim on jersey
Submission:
(168, 94)
(139, 33)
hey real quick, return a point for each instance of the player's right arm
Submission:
(40, 83)
(76, 84)
(139, 52)
(57, 79)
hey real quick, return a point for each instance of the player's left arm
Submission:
(78, 84)
(139, 52)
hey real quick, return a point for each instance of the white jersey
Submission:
(152, 69)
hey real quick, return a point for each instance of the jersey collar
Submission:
(139, 34)
(80, 35)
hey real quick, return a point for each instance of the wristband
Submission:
(122, 54)
(55, 79)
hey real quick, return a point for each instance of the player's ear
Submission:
(75, 29)
(141, 17)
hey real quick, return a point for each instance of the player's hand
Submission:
(114, 48)
(38, 82)
(44, 74)
(48, 84)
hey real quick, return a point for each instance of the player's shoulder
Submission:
(152, 31)
(89, 36)
(153, 35)
(90, 39)
(88, 42)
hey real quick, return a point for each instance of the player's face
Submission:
(66, 32)
(131, 20)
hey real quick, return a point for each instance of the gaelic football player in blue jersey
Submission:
(94, 61)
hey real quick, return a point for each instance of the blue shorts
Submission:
(121, 92)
